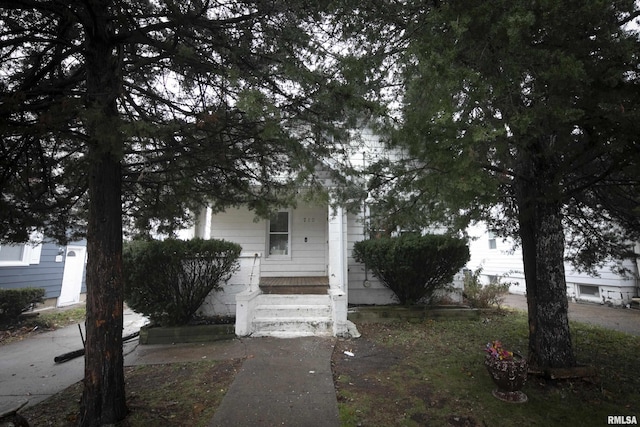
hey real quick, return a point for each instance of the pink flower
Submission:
(495, 350)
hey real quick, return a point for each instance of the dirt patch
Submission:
(366, 377)
(34, 323)
(182, 394)
(361, 357)
(19, 331)
(381, 379)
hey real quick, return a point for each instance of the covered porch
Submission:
(292, 279)
(299, 302)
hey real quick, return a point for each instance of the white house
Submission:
(500, 260)
(297, 276)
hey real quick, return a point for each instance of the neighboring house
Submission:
(499, 260)
(59, 270)
(297, 275)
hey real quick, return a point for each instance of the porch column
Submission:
(202, 226)
(338, 269)
(338, 249)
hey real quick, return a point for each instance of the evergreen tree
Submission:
(147, 110)
(524, 114)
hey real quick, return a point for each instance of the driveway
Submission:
(616, 318)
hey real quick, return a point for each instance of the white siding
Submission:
(505, 261)
(364, 288)
(239, 225)
(308, 240)
(223, 302)
(308, 245)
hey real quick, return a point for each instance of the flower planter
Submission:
(186, 334)
(510, 376)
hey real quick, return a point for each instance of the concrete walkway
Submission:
(281, 382)
(284, 382)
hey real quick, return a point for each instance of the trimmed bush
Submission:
(413, 267)
(169, 280)
(13, 302)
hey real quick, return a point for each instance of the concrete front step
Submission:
(292, 327)
(292, 316)
(280, 299)
(292, 311)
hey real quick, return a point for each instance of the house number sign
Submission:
(308, 220)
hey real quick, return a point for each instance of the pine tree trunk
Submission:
(103, 400)
(543, 256)
(543, 242)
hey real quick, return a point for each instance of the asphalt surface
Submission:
(281, 382)
(616, 318)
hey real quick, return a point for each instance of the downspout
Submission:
(367, 224)
(343, 253)
(637, 272)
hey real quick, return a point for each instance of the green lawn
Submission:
(437, 377)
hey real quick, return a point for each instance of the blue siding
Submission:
(47, 274)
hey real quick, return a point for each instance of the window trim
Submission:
(289, 233)
(30, 255)
(493, 243)
(592, 291)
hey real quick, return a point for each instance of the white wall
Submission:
(308, 239)
(506, 261)
(223, 302)
(308, 245)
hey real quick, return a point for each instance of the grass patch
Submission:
(58, 318)
(433, 374)
(43, 321)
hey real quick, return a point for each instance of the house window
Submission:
(14, 255)
(591, 291)
(492, 241)
(21, 254)
(279, 234)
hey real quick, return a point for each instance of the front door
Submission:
(72, 276)
(297, 243)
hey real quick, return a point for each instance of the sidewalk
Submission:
(281, 382)
(27, 369)
(284, 382)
